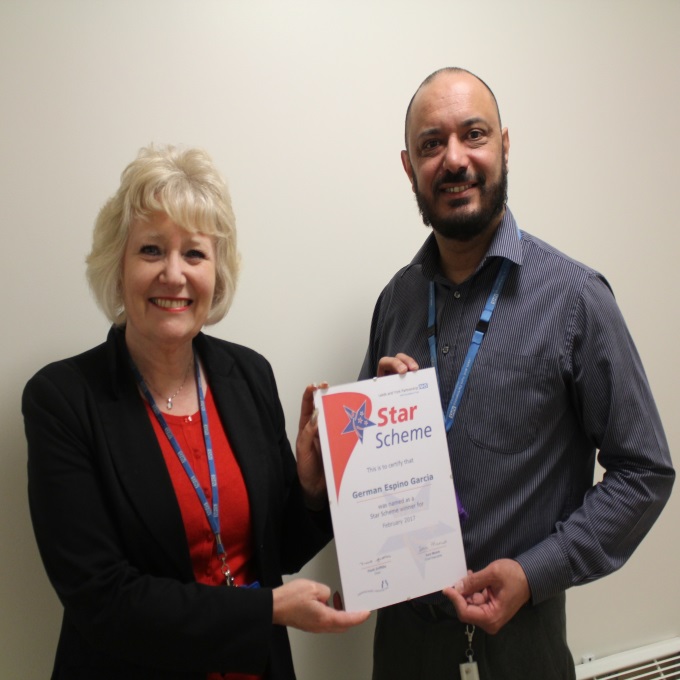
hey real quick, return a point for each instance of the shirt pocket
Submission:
(503, 401)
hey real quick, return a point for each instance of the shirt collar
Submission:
(505, 243)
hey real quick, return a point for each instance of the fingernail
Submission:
(314, 418)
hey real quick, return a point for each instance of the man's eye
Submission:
(475, 135)
(430, 144)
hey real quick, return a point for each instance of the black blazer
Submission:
(110, 532)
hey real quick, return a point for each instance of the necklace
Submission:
(168, 401)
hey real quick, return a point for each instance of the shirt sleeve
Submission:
(613, 400)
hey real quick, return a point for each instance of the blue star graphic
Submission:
(357, 421)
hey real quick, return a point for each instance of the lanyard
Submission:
(475, 343)
(212, 513)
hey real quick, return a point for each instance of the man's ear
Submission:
(406, 162)
(505, 136)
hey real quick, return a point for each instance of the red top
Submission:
(234, 504)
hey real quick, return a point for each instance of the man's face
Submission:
(457, 156)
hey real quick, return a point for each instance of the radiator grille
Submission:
(660, 661)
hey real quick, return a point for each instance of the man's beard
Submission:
(465, 226)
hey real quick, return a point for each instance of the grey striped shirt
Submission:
(557, 380)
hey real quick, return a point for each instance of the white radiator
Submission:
(660, 661)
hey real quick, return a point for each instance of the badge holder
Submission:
(469, 670)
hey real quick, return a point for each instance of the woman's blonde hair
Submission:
(185, 185)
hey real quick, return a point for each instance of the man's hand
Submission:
(491, 597)
(302, 604)
(401, 363)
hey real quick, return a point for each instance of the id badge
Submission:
(469, 671)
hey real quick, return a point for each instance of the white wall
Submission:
(301, 104)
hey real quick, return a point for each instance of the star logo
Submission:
(357, 421)
(347, 415)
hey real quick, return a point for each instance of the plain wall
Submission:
(301, 105)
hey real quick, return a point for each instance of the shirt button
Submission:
(456, 294)
(445, 349)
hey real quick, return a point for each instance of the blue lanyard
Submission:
(212, 513)
(475, 343)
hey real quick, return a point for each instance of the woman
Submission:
(164, 495)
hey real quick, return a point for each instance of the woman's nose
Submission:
(173, 272)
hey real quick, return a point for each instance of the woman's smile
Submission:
(168, 282)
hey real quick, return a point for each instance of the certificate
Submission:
(390, 487)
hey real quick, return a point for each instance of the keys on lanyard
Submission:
(469, 670)
(228, 578)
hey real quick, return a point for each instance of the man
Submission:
(555, 380)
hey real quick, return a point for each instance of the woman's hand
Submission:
(308, 452)
(302, 604)
(401, 363)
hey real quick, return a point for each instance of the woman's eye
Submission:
(150, 250)
(195, 254)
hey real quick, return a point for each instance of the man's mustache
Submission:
(462, 176)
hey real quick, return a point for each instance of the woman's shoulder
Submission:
(227, 362)
(87, 363)
(227, 350)
(67, 384)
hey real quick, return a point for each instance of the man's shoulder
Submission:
(540, 253)
(407, 284)
(420, 269)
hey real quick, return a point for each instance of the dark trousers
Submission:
(421, 642)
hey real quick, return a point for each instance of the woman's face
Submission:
(168, 282)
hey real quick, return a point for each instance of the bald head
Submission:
(448, 70)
